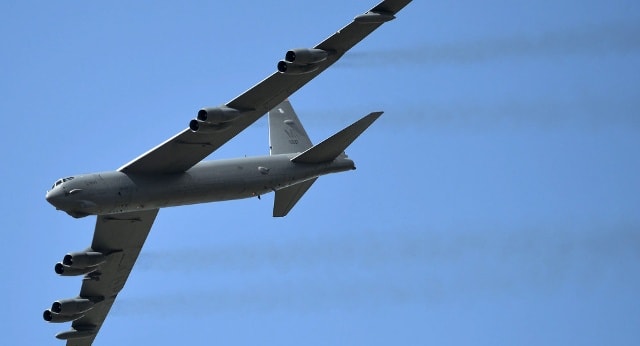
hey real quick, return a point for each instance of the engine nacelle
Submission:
(218, 115)
(76, 334)
(291, 68)
(305, 56)
(53, 317)
(72, 306)
(302, 60)
(64, 270)
(84, 259)
(198, 126)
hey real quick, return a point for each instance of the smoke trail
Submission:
(604, 39)
(596, 108)
(373, 249)
(583, 113)
(592, 112)
(378, 269)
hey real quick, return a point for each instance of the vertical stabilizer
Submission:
(286, 134)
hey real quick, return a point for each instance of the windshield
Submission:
(60, 181)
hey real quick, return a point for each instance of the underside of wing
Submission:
(117, 242)
(189, 147)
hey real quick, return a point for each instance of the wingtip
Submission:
(375, 114)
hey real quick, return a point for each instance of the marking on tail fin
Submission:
(286, 133)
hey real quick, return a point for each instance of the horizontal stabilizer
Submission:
(335, 145)
(288, 197)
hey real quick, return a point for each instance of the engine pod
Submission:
(305, 56)
(218, 115)
(64, 270)
(287, 67)
(72, 306)
(84, 259)
(54, 317)
(199, 126)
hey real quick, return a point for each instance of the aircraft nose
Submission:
(53, 196)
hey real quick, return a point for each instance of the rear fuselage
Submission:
(209, 181)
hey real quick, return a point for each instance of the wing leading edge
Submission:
(187, 148)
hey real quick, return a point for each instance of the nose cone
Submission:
(54, 197)
(69, 202)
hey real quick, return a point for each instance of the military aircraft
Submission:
(126, 201)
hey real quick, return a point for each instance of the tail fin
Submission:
(286, 134)
(335, 145)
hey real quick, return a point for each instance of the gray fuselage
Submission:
(209, 181)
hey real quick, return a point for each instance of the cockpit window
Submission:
(60, 181)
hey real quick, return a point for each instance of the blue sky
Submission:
(497, 200)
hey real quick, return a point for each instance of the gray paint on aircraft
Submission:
(126, 201)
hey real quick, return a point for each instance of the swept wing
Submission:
(121, 236)
(187, 148)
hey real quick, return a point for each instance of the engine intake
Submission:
(302, 60)
(72, 306)
(84, 259)
(199, 126)
(291, 68)
(218, 115)
(54, 317)
(64, 270)
(305, 56)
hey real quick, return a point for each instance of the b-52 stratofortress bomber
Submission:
(126, 201)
